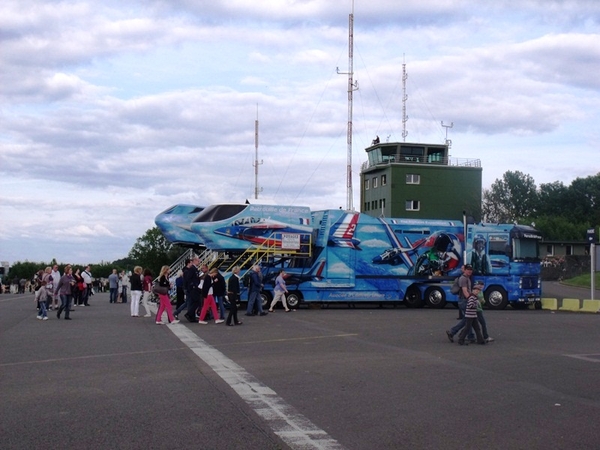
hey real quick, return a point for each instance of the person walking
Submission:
(179, 291)
(191, 278)
(471, 321)
(55, 278)
(481, 318)
(233, 291)
(219, 289)
(136, 291)
(147, 287)
(184, 287)
(78, 288)
(280, 291)
(87, 279)
(125, 286)
(50, 283)
(164, 299)
(113, 286)
(209, 302)
(64, 289)
(464, 283)
(41, 296)
(254, 296)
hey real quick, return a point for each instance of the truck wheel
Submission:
(265, 297)
(293, 299)
(435, 297)
(412, 299)
(496, 297)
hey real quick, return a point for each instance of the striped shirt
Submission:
(471, 311)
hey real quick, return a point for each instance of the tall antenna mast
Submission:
(404, 99)
(448, 142)
(256, 163)
(352, 86)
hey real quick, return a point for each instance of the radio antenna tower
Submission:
(256, 163)
(448, 142)
(352, 86)
(404, 99)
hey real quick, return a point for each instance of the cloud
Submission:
(111, 114)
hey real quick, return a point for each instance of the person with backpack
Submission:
(464, 283)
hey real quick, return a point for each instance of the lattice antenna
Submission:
(256, 162)
(404, 99)
(352, 86)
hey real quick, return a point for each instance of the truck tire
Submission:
(435, 297)
(413, 299)
(294, 299)
(496, 297)
(265, 297)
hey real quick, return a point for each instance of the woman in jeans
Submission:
(63, 288)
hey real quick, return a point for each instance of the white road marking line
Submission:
(591, 357)
(75, 358)
(287, 423)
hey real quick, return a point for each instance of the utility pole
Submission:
(591, 238)
(352, 86)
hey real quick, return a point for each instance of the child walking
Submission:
(41, 295)
(471, 316)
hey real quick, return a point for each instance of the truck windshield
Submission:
(525, 249)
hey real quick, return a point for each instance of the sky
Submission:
(112, 111)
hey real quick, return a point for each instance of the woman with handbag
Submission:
(162, 290)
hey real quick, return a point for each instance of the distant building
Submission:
(408, 180)
(564, 248)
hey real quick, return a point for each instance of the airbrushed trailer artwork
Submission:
(346, 256)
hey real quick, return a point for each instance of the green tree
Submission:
(552, 199)
(152, 251)
(510, 199)
(557, 228)
(25, 270)
(583, 200)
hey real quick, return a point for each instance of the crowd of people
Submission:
(57, 292)
(204, 293)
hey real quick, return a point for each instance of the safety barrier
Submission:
(591, 306)
(550, 303)
(569, 304)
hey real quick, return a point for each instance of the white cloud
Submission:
(112, 113)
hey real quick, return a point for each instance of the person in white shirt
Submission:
(55, 278)
(87, 279)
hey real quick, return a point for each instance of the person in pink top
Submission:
(147, 287)
(165, 300)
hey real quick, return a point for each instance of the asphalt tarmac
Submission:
(363, 378)
(554, 289)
